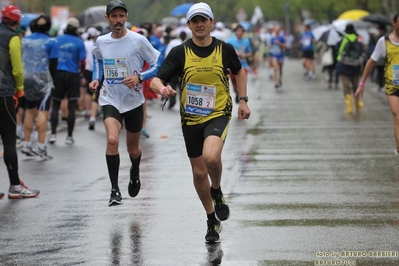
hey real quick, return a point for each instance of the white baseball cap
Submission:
(219, 25)
(199, 9)
(92, 31)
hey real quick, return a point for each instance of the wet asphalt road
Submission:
(306, 185)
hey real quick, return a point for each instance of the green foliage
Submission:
(225, 10)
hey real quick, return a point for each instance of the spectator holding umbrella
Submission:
(349, 63)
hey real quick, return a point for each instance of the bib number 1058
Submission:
(198, 101)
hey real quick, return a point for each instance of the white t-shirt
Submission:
(122, 57)
(380, 49)
(89, 44)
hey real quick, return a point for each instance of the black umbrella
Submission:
(91, 16)
(328, 34)
(331, 37)
(378, 19)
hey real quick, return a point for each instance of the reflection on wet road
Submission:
(306, 185)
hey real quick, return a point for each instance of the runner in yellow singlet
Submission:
(202, 64)
(387, 47)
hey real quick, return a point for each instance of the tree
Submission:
(224, 10)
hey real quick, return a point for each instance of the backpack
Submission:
(352, 54)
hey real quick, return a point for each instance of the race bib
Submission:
(307, 42)
(200, 99)
(395, 73)
(115, 70)
(275, 49)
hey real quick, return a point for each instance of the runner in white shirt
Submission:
(119, 57)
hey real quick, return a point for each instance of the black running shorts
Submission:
(66, 84)
(133, 119)
(308, 54)
(195, 135)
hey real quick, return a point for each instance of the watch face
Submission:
(244, 98)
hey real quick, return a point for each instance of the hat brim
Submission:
(112, 8)
(199, 14)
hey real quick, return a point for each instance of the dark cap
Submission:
(350, 28)
(115, 4)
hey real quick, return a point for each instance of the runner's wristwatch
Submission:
(244, 98)
(141, 78)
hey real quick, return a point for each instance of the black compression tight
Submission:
(72, 106)
(9, 137)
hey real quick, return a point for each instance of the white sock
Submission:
(41, 146)
(17, 187)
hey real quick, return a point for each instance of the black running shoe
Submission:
(1, 195)
(92, 125)
(212, 233)
(134, 184)
(222, 211)
(115, 199)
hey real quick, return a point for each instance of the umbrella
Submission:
(27, 18)
(327, 34)
(91, 16)
(181, 10)
(378, 19)
(354, 14)
(361, 28)
(340, 25)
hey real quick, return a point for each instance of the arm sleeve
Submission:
(151, 71)
(151, 55)
(16, 62)
(97, 69)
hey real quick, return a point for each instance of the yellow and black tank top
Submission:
(391, 68)
(204, 80)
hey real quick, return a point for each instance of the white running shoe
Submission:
(52, 139)
(69, 140)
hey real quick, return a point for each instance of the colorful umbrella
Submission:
(354, 14)
(27, 18)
